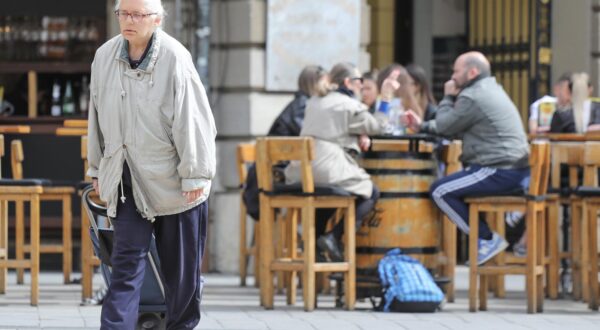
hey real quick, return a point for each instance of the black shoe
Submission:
(329, 244)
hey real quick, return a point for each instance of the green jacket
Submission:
(487, 121)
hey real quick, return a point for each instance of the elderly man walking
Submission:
(495, 152)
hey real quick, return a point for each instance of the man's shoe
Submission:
(490, 248)
(329, 244)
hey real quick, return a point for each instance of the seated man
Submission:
(495, 152)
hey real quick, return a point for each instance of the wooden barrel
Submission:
(404, 217)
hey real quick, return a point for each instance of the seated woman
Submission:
(336, 120)
(416, 93)
(582, 115)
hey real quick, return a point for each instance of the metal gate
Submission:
(515, 37)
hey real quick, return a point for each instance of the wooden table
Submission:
(15, 129)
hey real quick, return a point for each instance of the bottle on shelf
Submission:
(56, 108)
(68, 105)
(84, 96)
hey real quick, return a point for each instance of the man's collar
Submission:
(150, 59)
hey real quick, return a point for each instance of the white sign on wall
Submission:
(305, 32)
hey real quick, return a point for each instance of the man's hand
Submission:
(192, 196)
(411, 120)
(450, 88)
(390, 86)
(364, 142)
(96, 186)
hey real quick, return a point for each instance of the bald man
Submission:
(495, 152)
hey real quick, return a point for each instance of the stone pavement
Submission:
(227, 306)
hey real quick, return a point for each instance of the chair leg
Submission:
(280, 230)
(552, 248)
(576, 265)
(350, 253)
(3, 244)
(256, 255)
(67, 253)
(448, 270)
(292, 247)
(35, 247)
(540, 256)
(585, 254)
(593, 256)
(20, 238)
(308, 273)
(473, 230)
(87, 255)
(243, 245)
(266, 253)
(530, 276)
(500, 291)
(483, 288)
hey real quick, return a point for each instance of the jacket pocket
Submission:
(159, 167)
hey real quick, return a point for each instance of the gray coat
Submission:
(155, 117)
(335, 121)
(487, 121)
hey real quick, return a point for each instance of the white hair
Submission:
(153, 6)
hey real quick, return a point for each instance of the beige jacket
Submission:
(335, 121)
(157, 118)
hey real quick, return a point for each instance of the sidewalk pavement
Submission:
(228, 306)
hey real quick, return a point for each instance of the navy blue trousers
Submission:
(449, 192)
(180, 240)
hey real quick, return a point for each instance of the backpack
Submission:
(407, 285)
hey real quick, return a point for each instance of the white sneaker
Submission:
(490, 248)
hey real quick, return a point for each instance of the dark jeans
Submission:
(180, 240)
(362, 207)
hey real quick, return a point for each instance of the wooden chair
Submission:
(20, 191)
(308, 198)
(451, 157)
(50, 193)
(246, 155)
(590, 192)
(533, 205)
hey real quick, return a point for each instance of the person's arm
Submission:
(533, 117)
(452, 118)
(95, 145)
(194, 134)
(363, 122)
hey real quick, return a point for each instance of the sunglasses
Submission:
(361, 79)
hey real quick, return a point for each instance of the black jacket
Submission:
(564, 122)
(289, 122)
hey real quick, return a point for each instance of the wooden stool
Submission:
(533, 205)
(28, 190)
(451, 157)
(246, 155)
(307, 197)
(50, 193)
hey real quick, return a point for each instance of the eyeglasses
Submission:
(135, 16)
(361, 79)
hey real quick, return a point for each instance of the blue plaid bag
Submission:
(407, 285)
